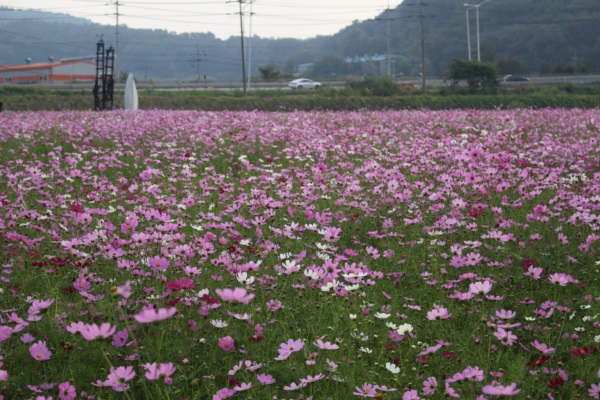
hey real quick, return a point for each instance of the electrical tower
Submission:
(104, 85)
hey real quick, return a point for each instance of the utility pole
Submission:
(198, 60)
(250, 46)
(389, 60)
(422, 45)
(117, 71)
(243, 55)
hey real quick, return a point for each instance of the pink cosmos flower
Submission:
(411, 395)
(120, 338)
(499, 390)
(66, 391)
(506, 337)
(5, 333)
(81, 284)
(367, 390)
(227, 344)
(480, 287)
(473, 374)
(438, 313)
(39, 351)
(331, 234)
(273, 305)
(155, 372)
(294, 386)
(430, 386)
(124, 290)
(326, 346)
(542, 347)
(504, 314)
(237, 295)
(286, 349)
(93, 331)
(3, 375)
(594, 390)
(158, 263)
(149, 314)
(265, 379)
(242, 386)
(224, 393)
(311, 379)
(118, 378)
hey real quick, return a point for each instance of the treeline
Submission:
(520, 36)
(564, 96)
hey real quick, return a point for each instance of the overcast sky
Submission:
(270, 18)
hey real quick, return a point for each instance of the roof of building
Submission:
(26, 67)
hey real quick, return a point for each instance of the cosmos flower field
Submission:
(301, 255)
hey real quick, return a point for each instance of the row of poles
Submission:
(246, 73)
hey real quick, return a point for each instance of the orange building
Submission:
(66, 70)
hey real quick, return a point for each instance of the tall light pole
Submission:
(422, 45)
(476, 7)
(249, 73)
(468, 33)
(243, 55)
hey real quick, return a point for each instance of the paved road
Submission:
(187, 85)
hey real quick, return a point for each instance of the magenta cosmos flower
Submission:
(237, 295)
(499, 390)
(292, 346)
(39, 351)
(227, 344)
(149, 314)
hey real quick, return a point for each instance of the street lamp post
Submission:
(468, 34)
(476, 7)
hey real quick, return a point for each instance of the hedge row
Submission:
(52, 102)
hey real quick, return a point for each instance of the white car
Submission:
(303, 83)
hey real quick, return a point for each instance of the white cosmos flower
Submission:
(352, 287)
(329, 286)
(381, 315)
(405, 329)
(243, 278)
(393, 368)
(365, 350)
(352, 316)
(218, 323)
(312, 274)
(391, 325)
(289, 264)
(355, 275)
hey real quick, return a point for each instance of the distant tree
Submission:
(477, 74)
(268, 72)
(511, 65)
(328, 66)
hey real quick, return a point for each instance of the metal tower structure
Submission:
(104, 85)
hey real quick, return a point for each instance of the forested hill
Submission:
(528, 36)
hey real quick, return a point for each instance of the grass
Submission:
(412, 241)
